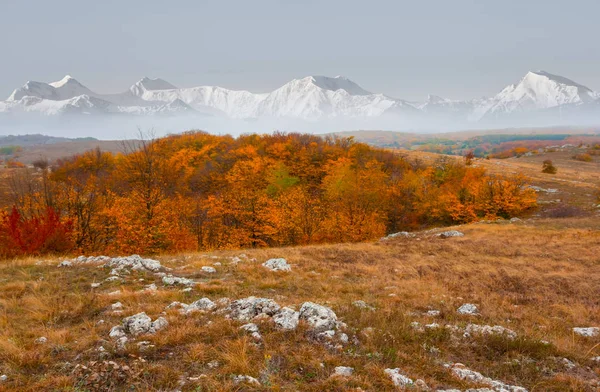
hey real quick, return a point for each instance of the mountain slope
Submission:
(538, 91)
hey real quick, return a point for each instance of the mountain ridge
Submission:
(312, 98)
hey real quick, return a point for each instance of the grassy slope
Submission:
(539, 280)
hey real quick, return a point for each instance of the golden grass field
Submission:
(538, 277)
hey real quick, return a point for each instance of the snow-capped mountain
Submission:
(537, 95)
(537, 91)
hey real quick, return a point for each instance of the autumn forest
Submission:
(196, 191)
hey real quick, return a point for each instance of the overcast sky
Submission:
(406, 49)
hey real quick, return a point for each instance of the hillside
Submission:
(58, 322)
(379, 314)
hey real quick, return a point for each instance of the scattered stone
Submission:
(113, 293)
(515, 220)
(65, 264)
(217, 264)
(247, 308)
(41, 340)
(362, 305)
(588, 332)
(116, 306)
(116, 332)
(277, 265)
(253, 330)
(95, 285)
(402, 234)
(432, 313)
(343, 371)
(3, 378)
(286, 318)
(243, 379)
(462, 372)
(399, 379)
(141, 323)
(432, 326)
(133, 262)
(171, 280)
(450, 233)
(487, 330)
(208, 269)
(201, 305)
(539, 189)
(319, 317)
(186, 290)
(112, 279)
(469, 309)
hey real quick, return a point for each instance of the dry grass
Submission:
(539, 278)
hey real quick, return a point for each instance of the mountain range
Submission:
(538, 97)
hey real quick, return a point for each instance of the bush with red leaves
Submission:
(36, 235)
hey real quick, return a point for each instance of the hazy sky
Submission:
(406, 49)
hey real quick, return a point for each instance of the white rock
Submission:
(116, 332)
(253, 330)
(588, 332)
(450, 233)
(286, 318)
(241, 379)
(158, 324)
(137, 324)
(343, 371)
(41, 340)
(208, 269)
(3, 378)
(432, 313)
(95, 285)
(398, 379)
(171, 280)
(277, 265)
(116, 306)
(487, 330)
(201, 305)
(65, 263)
(470, 309)
(112, 279)
(176, 304)
(248, 308)
(213, 364)
(402, 234)
(318, 317)
(460, 371)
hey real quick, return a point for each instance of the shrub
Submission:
(37, 235)
(548, 167)
(583, 157)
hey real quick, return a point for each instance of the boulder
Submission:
(588, 332)
(277, 265)
(469, 309)
(343, 371)
(247, 308)
(286, 318)
(319, 317)
(399, 379)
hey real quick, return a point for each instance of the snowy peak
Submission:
(335, 84)
(148, 84)
(64, 89)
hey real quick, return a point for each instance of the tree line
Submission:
(196, 191)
